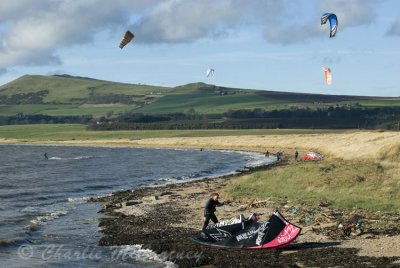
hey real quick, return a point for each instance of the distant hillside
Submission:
(62, 95)
(211, 99)
(68, 89)
(70, 95)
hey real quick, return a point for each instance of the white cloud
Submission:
(31, 32)
(350, 13)
(280, 21)
(34, 30)
(185, 21)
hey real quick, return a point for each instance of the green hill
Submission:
(70, 95)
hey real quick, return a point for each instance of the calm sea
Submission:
(45, 220)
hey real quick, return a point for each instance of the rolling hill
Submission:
(64, 95)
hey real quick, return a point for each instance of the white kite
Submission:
(210, 72)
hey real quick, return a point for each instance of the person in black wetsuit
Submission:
(45, 156)
(209, 210)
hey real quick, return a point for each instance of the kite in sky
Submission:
(126, 39)
(210, 72)
(333, 22)
(327, 74)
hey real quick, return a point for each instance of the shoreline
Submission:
(159, 225)
(346, 145)
(163, 218)
(105, 144)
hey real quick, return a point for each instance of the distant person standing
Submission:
(296, 155)
(45, 156)
(278, 155)
(209, 210)
(267, 154)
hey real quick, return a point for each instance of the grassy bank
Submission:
(68, 132)
(350, 184)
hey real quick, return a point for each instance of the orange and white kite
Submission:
(327, 74)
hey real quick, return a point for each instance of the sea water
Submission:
(45, 220)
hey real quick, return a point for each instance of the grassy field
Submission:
(210, 103)
(383, 102)
(68, 132)
(62, 109)
(346, 184)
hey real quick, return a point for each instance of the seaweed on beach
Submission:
(157, 230)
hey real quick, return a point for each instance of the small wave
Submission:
(166, 179)
(35, 223)
(55, 158)
(256, 163)
(194, 177)
(53, 215)
(71, 158)
(30, 209)
(258, 159)
(136, 252)
(170, 180)
(253, 159)
(78, 199)
(84, 199)
(83, 157)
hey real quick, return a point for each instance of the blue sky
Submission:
(258, 44)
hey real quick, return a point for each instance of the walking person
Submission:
(209, 210)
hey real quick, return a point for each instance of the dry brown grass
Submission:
(390, 152)
(359, 145)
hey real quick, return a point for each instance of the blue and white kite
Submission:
(332, 21)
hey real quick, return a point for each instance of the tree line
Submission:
(23, 119)
(333, 117)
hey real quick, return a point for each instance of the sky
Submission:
(277, 45)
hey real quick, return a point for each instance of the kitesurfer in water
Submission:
(45, 156)
(209, 210)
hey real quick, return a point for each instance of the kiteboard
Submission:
(276, 232)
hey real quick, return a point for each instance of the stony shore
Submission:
(164, 218)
